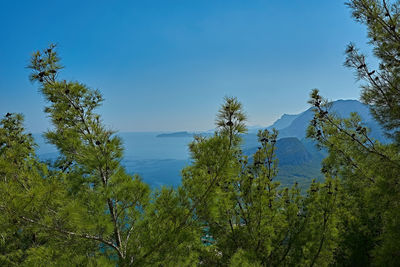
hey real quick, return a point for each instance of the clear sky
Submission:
(166, 65)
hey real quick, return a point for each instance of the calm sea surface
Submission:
(158, 161)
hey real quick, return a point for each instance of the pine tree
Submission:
(367, 168)
(380, 89)
(83, 209)
(247, 217)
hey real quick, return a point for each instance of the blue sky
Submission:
(166, 65)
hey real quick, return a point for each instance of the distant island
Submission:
(176, 134)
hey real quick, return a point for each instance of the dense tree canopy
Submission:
(368, 170)
(85, 209)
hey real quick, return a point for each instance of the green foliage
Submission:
(380, 88)
(369, 173)
(85, 209)
(247, 218)
(368, 170)
(231, 120)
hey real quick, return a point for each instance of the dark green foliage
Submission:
(369, 174)
(380, 89)
(248, 219)
(85, 209)
(368, 169)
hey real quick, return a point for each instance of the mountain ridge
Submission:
(160, 160)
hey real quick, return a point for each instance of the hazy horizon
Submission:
(205, 130)
(165, 66)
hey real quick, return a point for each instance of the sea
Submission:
(157, 160)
